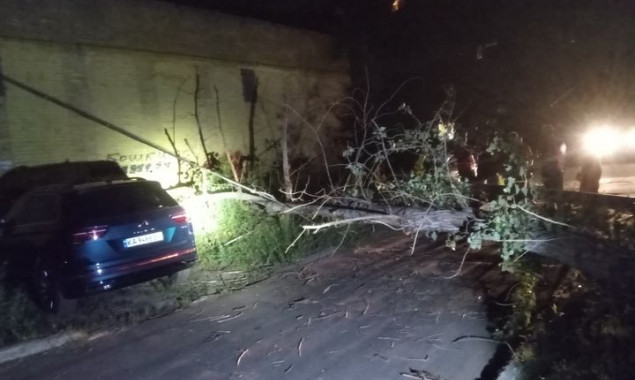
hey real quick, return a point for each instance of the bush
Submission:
(590, 336)
(245, 236)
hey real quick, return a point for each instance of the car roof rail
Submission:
(82, 186)
(53, 187)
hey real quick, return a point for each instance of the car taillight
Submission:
(180, 218)
(87, 234)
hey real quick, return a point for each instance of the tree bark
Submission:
(408, 219)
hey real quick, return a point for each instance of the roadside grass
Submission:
(238, 245)
(247, 237)
(20, 319)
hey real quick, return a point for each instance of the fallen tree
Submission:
(426, 196)
(601, 259)
(430, 198)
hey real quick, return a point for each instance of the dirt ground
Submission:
(376, 312)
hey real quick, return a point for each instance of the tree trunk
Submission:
(602, 260)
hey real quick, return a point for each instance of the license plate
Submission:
(143, 239)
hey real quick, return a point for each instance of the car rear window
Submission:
(121, 199)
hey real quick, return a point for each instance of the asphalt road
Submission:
(617, 179)
(373, 313)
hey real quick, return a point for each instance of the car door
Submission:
(32, 231)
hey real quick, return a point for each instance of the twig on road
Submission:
(329, 288)
(382, 357)
(230, 318)
(325, 316)
(430, 338)
(212, 319)
(388, 338)
(425, 359)
(240, 357)
(300, 347)
(460, 266)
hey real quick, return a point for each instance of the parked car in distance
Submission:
(68, 241)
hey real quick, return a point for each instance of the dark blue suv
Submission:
(72, 240)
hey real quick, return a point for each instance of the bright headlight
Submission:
(601, 142)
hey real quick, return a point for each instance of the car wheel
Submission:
(178, 278)
(49, 295)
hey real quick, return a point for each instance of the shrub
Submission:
(590, 337)
(246, 236)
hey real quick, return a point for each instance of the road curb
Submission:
(32, 347)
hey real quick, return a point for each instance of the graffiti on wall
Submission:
(143, 164)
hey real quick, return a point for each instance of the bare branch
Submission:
(288, 187)
(197, 90)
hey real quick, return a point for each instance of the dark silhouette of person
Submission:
(553, 167)
(590, 175)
